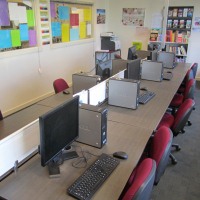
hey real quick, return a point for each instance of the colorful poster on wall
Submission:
(133, 16)
(101, 16)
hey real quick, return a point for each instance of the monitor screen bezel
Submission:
(45, 159)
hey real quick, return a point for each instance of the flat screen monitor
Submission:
(58, 129)
(133, 69)
(167, 58)
(104, 69)
(153, 55)
(132, 53)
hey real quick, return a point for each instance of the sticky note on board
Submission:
(74, 34)
(32, 38)
(5, 39)
(87, 14)
(15, 38)
(83, 30)
(23, 32)
(65, 32)
(63, 12)
(30, 18)
(56, 29)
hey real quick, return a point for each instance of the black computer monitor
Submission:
(104, 69)
(132, 53)
(153, 55)
(58, 129)
(133, 69)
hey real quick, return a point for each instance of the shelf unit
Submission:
(179, 23)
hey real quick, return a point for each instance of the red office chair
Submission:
(194, 69)
(140, 184)
(160, 148)
(60, 85)
(178, 99)
(189, 75)
(177, 122)
(1, 116)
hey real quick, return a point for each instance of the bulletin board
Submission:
(70, 22)
(17, 25)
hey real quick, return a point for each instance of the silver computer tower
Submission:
(123, 93)
(92, 125)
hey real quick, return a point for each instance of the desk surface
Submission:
(149, 115)
(20, 119)
(128, 130)
(132, 140)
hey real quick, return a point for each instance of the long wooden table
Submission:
(128, 130)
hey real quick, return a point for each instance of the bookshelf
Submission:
(178, 30)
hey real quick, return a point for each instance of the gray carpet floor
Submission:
(182, 181)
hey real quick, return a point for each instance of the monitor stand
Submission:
(68, 153)
(54, 169)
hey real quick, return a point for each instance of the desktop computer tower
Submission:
(123, 93)
(84, 81)
(92, 125)
(152, 71)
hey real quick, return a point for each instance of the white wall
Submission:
(21, 83)
(27, 78)
(128, 34)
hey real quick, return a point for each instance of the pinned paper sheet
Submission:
(83, 30)
(4, 15)
(23, 32)
(56, 29)
(74, 19)
(32, 38)
(15, 38)
(30, 18)
(63, 12)
(87, 14)
(74, 34)
(89, 29)
(65, 32)
(5, 39)
(53, 9)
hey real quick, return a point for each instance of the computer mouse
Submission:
(120, 155)
(169, 72)
(144, 88)
(66, 92)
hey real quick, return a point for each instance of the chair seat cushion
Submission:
(167, 120)
(177, 100)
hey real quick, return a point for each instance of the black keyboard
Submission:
(145, 97)
(91, 180)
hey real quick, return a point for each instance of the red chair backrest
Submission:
(182, 115)
(143, 181)
(189, 89)
(60, 85)
(194, 69)
(160, 150)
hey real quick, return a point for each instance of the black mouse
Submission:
(121, 155)
(169, 72)
(144, 88)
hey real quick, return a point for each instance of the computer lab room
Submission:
(100, 99)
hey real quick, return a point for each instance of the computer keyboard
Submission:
(145, 97)
(91, 180)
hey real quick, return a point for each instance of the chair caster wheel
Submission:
(174, 162)
(178, 148)
(189, 123)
